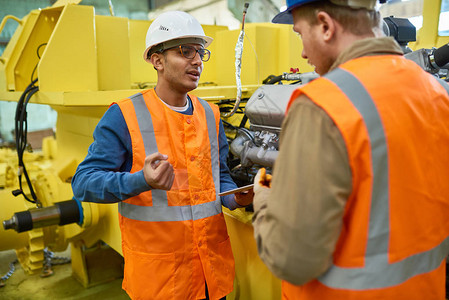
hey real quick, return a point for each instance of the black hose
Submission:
(441, 55)
(21, 128)
(271, 79)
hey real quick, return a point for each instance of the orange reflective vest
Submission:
(393, 118)
(173, 241)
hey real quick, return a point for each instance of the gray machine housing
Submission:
(265, 111)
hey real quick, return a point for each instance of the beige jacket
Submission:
(298, 221)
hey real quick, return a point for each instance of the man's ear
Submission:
(327, 25)
(157, 60)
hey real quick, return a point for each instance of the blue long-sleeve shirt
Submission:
(104, 175)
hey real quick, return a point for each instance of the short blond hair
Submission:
(358, 21)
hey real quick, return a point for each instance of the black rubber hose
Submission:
(70, 212)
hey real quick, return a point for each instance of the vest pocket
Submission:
(223, 263)
(149, 276)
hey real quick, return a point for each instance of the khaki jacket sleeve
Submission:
(298, 221)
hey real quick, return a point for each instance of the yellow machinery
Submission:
(85, 62)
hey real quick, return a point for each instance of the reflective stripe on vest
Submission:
(160, 211)
(377, 272)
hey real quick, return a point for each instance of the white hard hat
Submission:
(174, 28)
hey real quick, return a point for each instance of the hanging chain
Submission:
(51, 260)
(12, 268)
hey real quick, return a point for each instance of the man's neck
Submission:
(168, 96)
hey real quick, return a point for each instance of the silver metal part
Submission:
(267, 105)
(10, 224)
(420, 57)
(45, 216)
(263, 153)
(265, 111)
(432, 61)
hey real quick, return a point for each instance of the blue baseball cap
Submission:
(285, 17)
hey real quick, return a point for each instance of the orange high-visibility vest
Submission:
(394, 119)
(173, 241)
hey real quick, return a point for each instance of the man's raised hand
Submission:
(158, 172)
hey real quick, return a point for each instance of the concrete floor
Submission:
(60, 285)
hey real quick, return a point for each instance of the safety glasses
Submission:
(190, 52)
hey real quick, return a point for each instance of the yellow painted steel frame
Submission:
(427, 36)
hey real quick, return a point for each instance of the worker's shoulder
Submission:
(203, 102)
(301, 102)
(140, 94)
(132, 97)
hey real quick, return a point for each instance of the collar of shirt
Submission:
(368, 47)
(183, 109)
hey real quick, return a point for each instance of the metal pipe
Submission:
(2, 25)
(244, 148)
(111, 8)
(61, 213)
(6, 18)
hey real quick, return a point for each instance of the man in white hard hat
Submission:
(358, 205)
(161, 154)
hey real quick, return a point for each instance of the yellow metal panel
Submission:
(14, 51)
(442, 40)
(79, 267)
(215, 93)
(3, 84)
(211, 72)
(279, 44)
(269, 49)
(95, 103)
(290, 49)
(69, 62)
(253, 279)
(99, 98)
(74, 134)
(108, 227)
(141, 71)
(98, 101)
(14, 48)
(427, 35)
(64, 2)
(29, 57)
(260, 61)
(112, 53)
